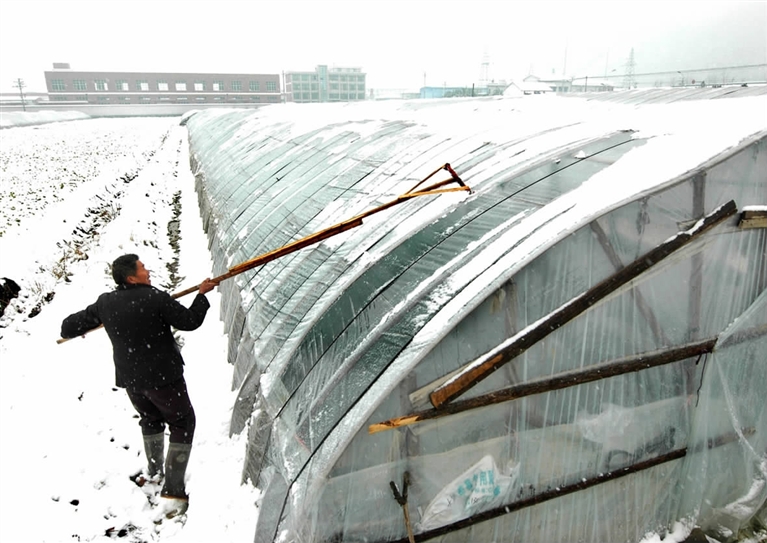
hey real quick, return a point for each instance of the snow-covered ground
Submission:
(74, 196)
(29, 118)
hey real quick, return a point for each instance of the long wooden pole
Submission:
(491, 361)
(559, 381)
(343, 226)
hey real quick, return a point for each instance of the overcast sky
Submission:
(398, 43)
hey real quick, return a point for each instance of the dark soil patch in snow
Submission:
(174, 237)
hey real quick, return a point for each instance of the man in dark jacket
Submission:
(148, 364)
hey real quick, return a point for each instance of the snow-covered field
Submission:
(73, 196)
(48, 165)
(29, 118)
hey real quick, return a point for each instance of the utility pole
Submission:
(564, 63)
(20, 85)
(484, 71)
(628, 79)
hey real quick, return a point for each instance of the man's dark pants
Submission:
(166, 405)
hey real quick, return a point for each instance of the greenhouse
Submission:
(500, 319)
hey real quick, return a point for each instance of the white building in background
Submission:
(325, 84)
(558, 83)
(533, 84)
(523, 88)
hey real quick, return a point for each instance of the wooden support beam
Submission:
(753, 218)
(559, 381)
(575, 377)
(744, 335)
(419, 399)
(491, 361)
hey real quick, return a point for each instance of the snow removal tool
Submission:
(312, 239)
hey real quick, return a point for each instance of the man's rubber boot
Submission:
(154, 447)
(175, 470)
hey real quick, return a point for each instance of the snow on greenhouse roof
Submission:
(681, 137)
(330, 332)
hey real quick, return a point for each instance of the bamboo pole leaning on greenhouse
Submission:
(343, 226)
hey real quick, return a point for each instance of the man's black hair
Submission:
(123, 267)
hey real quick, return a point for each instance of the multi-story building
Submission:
(65, 85)
(325, 85)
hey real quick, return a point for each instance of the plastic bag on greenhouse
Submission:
(480, 487)
(606, 427)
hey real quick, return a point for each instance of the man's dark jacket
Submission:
(138, 320)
